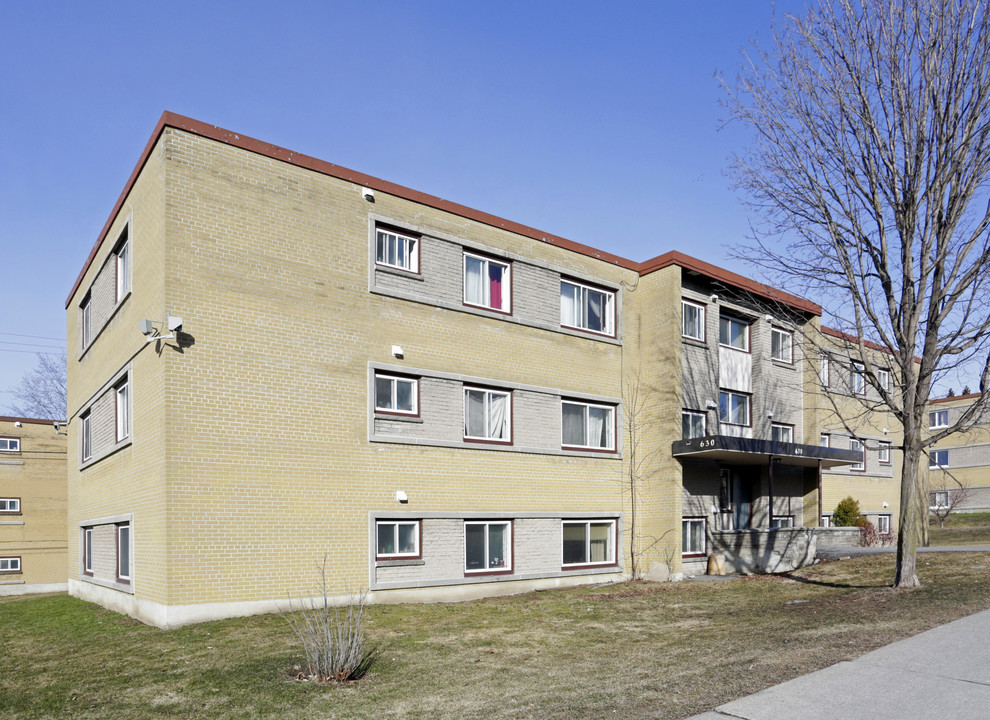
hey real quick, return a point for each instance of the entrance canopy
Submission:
(751, 451)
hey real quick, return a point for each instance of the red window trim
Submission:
(512, 281)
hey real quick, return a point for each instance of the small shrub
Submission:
(868, 535)
(332, 636)
(847, 513)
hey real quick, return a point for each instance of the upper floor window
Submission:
(10, 444)
(395, 394)
(692, 424)
(487, 415)
(122, 260)
(588, 542)
(938, 458)
(487, 282)
(394, 249)
(782, 345)
(733, 333)
(10, 505)
(397, 539)
(86, 320)
(584, 425)
(938, 419)
(883, 453)
(86, 436)
(779, 432)
(587, 308)
(856, 379)
(825, 369)
(826, 440)
(857, 446)
(733, 408)
(123, 413)
(883, 379)
(693, 320)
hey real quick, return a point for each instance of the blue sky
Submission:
(598, 122)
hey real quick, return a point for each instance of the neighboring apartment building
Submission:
(959, 465)
(275, 360)
(32, 507)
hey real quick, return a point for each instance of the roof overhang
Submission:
(752, 451)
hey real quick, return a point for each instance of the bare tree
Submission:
(869, 175)
(946, 499)
(41, 392)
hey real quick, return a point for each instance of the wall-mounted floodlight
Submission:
(885, 504)
(174, 323)
(147, 327)
(400, 496)
(769, 318)
(397, 351)
(368, 194)
(711, 405)
(714, 298)
(152, 329)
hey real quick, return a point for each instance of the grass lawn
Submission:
(633, 650)
(961, 529)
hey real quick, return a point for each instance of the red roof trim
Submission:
(970, 396)
(853, 339)
(227, 137)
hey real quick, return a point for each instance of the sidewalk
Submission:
(942, 673)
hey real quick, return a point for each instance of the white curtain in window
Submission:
(598, 427)
(473, 290)
(497, 416)
(569, 305)
(474, 415)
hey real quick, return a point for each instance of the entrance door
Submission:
(742, 498)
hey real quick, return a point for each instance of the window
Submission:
(938, 419)
(779, 432)
(123, 267)
(782, 521)
(10, 444)
(86, 436)
(883, 379)
(487, 547)
(124, 553)
(10, 505)
(397, 250)
(693, 537)
(733, 333)
(587, 308)
(857, 446)
(692, 424)
(589, 542)
(487, 283)
(123, 412)
(938, 459)
(825, 369)
(883, 524)
(88, 551)
(395, 394)
(856, 380)
(883, 453)
(397, 539)
(940, 499)
(487, 415)
(826, 521)
(782, 345)
(10, 564)
(587, 426)
(733, 408)
(826, 440)
(692, 320)
(86, 320)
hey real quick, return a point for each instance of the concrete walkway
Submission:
(943, 673)
(834, 552)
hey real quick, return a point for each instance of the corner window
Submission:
(779, 432)
(10, 505)
(733, 333)
(10, 444)
(733, 408)
(883, 453)
(692, 424)
(10, 564)
(782, 521)
(88, 551)
(487, 415)
(86, 320)
(487, 283)
(693, 537)
(938, 419)
(883, 524)
(584, 425)
(826, 440)
(86, 436)
(938, 459)
(589, 542)
(825, 369)
(857, 446)
(396, 250)
(396, 394)
(587, 308)
(397, 539)
(124, 553)
(122, 261)
(693, 320)
(782, 345)
(488, 547)
(856, 380)
(122, 411)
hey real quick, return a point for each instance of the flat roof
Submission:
(753, 451)
(205, 130)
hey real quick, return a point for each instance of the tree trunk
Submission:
(909, 530)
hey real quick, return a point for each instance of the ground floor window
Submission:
(88, 551)
(488, 547)
(693, 537)
(124, 553)
(782, 521)
(590, 542)
(883, 524)
(940, 499)
(398, 539)
(826, 521)
(10, 564)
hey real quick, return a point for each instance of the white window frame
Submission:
(938, 419)
(857, 378)
(694, 552)
(394, 381)
(124, 540)
(488, 395)
(825, 440)
(86, 320)
(610, 550)
(10, 564)
(883, 379)
(609, 425)
(86, 436)
(122, 410)
(10, 505)
(580, 312)
(386, 236)
(940, 499)
(826, 521)
(883, 524)
(88, 547)
(416, 552)
(781, 521)
(9, 444)
(933, 459)
(122, 266)
(685, 330)
(883, 452)
(857, 446)
(506, 566)
(825, 369)
(785, 357)
(783, 429)
(728, 394)
(694, 414)
(729, 321)
(485, 300)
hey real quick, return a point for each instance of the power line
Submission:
(31, 352)
(10, 342)
(36, 337)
